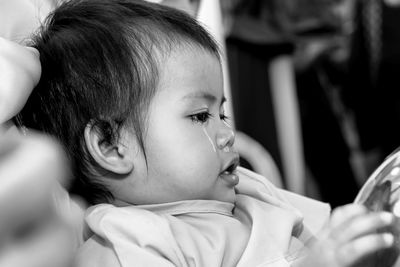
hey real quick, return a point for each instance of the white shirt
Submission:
(265, 227)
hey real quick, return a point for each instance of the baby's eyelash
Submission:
(202, 117)
(224, 117)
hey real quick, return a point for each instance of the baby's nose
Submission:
(225, 138)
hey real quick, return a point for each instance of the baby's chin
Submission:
(231, 198)
(229, 195)
(227, 183)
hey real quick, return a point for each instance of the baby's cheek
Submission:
(209, 140)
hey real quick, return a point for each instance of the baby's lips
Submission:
(231, 178)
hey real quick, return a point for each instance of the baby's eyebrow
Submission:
(204, 95)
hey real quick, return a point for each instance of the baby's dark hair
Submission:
(100, 66)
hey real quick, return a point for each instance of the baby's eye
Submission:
(200, 117)
(224, 117)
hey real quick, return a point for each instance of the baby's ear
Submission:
(112, 155)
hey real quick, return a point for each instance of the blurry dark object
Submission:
(322, 133)
(381, 193)
(374, 69)
(321, 53)
(257, 36)
(379, 199)
(294, 17)
(261, 32)
(251, 92)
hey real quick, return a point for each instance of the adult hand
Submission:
(20, 72)
(33, 231)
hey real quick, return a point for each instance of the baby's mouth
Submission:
(229, 175)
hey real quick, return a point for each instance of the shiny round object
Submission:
(381, 192)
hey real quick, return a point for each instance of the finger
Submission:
(345, 213)
(33, 65)
(348, 254)
(361, 225)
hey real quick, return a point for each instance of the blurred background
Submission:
(315, 83)
(341, 58)
(312, 84)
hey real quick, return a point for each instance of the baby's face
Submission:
(188, 143)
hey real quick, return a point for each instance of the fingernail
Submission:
(387, 217)
(388, 239)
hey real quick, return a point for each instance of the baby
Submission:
(134, 92)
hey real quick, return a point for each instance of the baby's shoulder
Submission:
(107, 218)
(95, 252)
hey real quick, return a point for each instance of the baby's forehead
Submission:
(186, 61)
(180, 49)
(190, 71)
